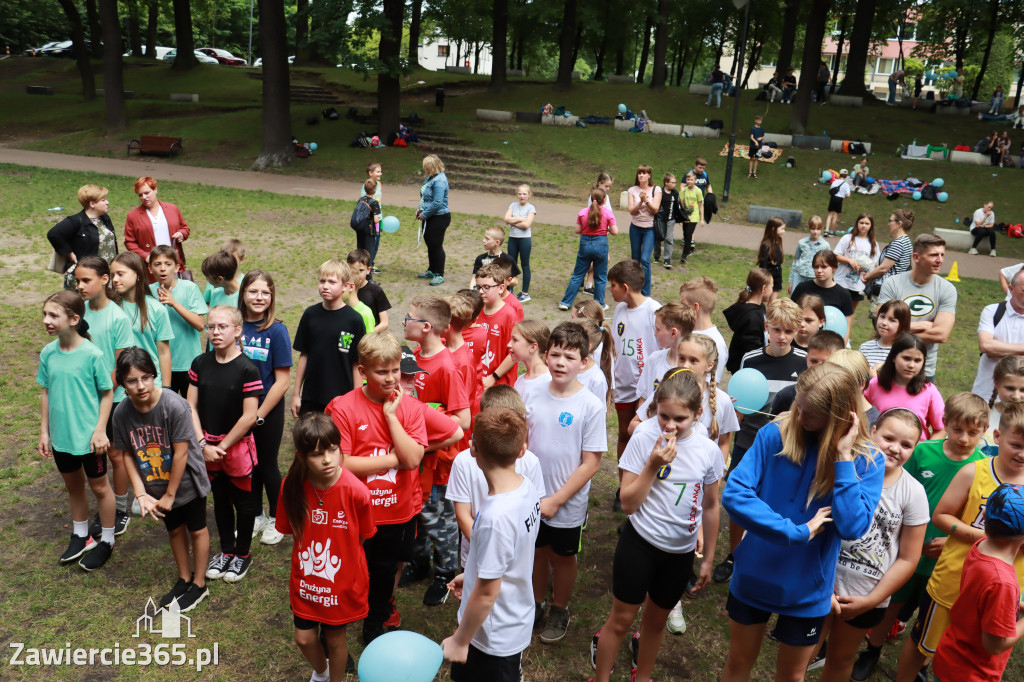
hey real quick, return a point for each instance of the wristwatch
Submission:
(202, 443)
(259, 421)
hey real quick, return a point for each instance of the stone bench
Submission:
(926, 105)
(970, 157)
(811, 142)
(837, 145)
(621, 124)
(956, 240)
(779, 139)
(613, 78)
(846, 101)
(624, 200)
(38, 90)
(493, 115)
(552, 120)
(702, 131)
(458, 69)
(700, 89)
(184, 97)
(759, 215)
(980, 107)
(665, 128)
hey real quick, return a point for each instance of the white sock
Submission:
(108, 536)
(81, 528)
(324, 676)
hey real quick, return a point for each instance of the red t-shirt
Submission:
(364, 433)
(516, 305)
(442, 382)
(989, 595)
(329, 582)
(437, 465)
(476, 338)
(499, 333)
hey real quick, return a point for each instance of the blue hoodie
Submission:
(777, 569)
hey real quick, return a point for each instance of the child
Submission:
(811, 473)
(1008, 379)
(876, 564)
(475, 335)
(265, 341)
(891, 322)
(493, 238)
(699, 354)
(382, 442)
(505, 264)
(185, 311)
(596, 374)
(494, 614)
(353, 302)
(854, 251)
(593, 225)
(374, 172)
(568, 434)
(745, 317)
(802, 270)
(665, 459)
(825, 287)
(328, 343)
(756, 140)
(153, 430)
(691, 211)
(985, 617)
(224, 391)
(497, 320)
(594, 311)
(318, 488)
(665, 221)
(603, 183)
(854, 363)
(901, 383)
(812, 319)
(528, 344)
(519, 217)
(237, 249)
(820, 347)
(370, 293)
(672, 321)
(770, 255)
(369, 233)
(75, 407)
(838, 190)
(462, 309)
(221, 270)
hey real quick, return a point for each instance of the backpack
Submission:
(362, 216)
(857, 148)
(330, 113)
(716, 124)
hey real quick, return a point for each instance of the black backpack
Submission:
(362, 216)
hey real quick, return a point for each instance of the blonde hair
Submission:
(815, 222)
(87, 194)
(600, 334)
(528, 190)
(710, 355)
(853, 362)
(676, 315)
(432, 165)
(967, 409)
(1012, 418)
(235, 248)
(434, 309)
(338, 268)
(784, 311)
(497, 232)
(461, 310)
(534, 331)
(379, 348)
(233, 313)
(505, 397)
(702, 291)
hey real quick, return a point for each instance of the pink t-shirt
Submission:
(927, 405)
(644, 217)
(607, 218)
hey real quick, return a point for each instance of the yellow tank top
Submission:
(944, 585)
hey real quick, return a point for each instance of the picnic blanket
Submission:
(899, 186)
(741, 152)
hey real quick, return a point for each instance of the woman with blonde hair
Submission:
(433, 211)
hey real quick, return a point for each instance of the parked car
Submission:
(203, 59)
(64, 48)
(223, 56)
(37, 51)
(258, 64)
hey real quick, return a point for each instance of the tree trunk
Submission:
(696, 60)
(499, 45)
(134, 34)
(752, 62)
(620, 59)
(301, 30)
(414, 33)
(81, 56)
(790, 20)
(1020, 87)
(389, 94)
(113, 72)
(92, 18)
(645, 51)
(458, 53)
(993, 26)
(857, 54)
(519, 52)
(512, 54)
(839, 51)
(599, 56)
(154, 16)
(476, 57)
(563, 81)
(814, 33)
(576, 42)
(185, 58)
(658, 73)
(276, 149)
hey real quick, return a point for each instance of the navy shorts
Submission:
(789, 630)
(95, 465)
(868, 619)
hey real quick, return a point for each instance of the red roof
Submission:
(890, 50)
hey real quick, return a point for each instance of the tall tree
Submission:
(78, 43)
(414, 32)
(567, 35)
(134, 32)
(276, 149)
(645, 50)
(499, 38)
(660, 45)
(790, 22)
(991, 28)
(301, 30)
(113, 72)
(151, 22)
(814, 34)
(389, 94)
(857, 54)
(839, 47)
(92, 18)
(185, 58)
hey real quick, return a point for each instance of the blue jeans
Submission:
(519, 248)
(593, 250)
(716, 90)
(892, 93)
(641, 245)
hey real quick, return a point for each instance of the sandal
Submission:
(750, 175)
(755, 176)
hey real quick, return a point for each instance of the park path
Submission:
(476, 203)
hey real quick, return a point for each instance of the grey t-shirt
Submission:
(150, 439)
(927, 301)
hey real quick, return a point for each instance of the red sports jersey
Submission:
(472, 378)
(516, 305)
(441, 383)
(437, 465)
(499, 333)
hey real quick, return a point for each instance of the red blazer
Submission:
(138, 231)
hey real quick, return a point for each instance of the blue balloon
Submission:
(312, 146)
(938, 182)
(750, 390)
(942, 196)
(835, 321)
(390, 224)
(400, 656)
(916, 195)
(622, 108)
(826, 176)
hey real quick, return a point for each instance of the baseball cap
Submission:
(409, 365)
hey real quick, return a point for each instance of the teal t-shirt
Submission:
(210, 290)
(364, 312)
(158, 329)
(185, 346)
(74, 380)
(219, 297)
(111, 330)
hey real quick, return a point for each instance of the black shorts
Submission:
(563, 541)
(868, 619)
(310, 406)
(789, 630)
(179, 383)
(110, 422)
(641, 570)
(835, 205)
(95, 465)
(304, 624)
(856, 295)
(392, 542)
(192, 514)
(481, 666)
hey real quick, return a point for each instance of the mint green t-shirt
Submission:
(364, 312)
(210, 290)
(74, 380)
(219, 297)
(185, 346)
(111, 330)
(157, 329)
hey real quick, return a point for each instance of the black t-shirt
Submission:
(837, 296)
(486, 259)
(789, 79)
(374, 298)
(222, 387)
(702, 181)
(780, 372)
(330, 340)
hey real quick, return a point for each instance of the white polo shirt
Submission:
(1009, 330)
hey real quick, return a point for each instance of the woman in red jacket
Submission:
(154, 222)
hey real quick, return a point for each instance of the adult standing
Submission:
(1000, 337)
(918, 86)
(154, 222)
(823, 79)
(983, 224)
(433, 211)
(86, 233)
(896, 256)
(898, 77)
(717, 85)
(931, 298)
(644, 202)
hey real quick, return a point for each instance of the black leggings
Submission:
(179, 383)
(268, 444)
(393, 543)
(980, 233)
(227, 499)
(433, 235)
(688, 229)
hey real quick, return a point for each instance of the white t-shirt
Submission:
(560, 430)
(979, 216)
(504, 535)
(853, 248)
(671, 515)
(161, 233)
(468, 484)
(863, 562)
(728, 422)
(595, 382)
(596, 357)
(1009, 330)
(843, 188)
(723, 348)
(633, 335)
(520, 211)
(524, 385)
(654, 372)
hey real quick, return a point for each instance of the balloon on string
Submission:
(400, 656)
(826, 176)
(916, 195)
(312, 146)
(938, 182)
(942, 196)
(390, 224)
(835, 321)
(749, 388)
(622, 108)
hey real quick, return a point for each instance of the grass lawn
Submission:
(48, 605)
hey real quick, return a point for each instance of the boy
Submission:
(185, 309)
(236, 249)
(934, 464)
(494, 616)
(368, 240)
(802, 269)
(984, 620)
(568, 434)
(382, 440)
(665, 221)
(756, 139)
(374, 172)
(353, 302)
(701, 292)
(221, 272)
(820, 348)
(464, 314)
(782, 365)
(327, 340)
(671, 321)
(370, 293)
(494, 236)
(510, 279)
(497, 319)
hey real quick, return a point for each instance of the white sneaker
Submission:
(260, 525)
(972, 251)
(676, 624)
(270, 534)
(992, 253)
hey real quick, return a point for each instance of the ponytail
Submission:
(597, 197)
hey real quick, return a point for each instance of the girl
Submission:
(770, 256)
(691, 201)
(824, 285)
(901, 383)
(812, 318)
(654, 556)
(593, 224)
(318, 487)
(75, 407)
(854, 251)
(644, 202)
(224, 390)
(746, 317)
(810, 473)
(519, 218)
(528, 344)
(596, 370)
(603, 352)
(895, 257)
(838, 190)
(891, 322)
(802, 270)
(1008, 378)
(265, 341)
(872, 567)
(185, 309)
(603, 183)
(855, 363)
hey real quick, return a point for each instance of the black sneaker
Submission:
(634, 648)
(76, 548)
(350, 665)
(96, 528)
(557, 625)
(413, 573)
(617, 502)
(865, 664)
(589, 290)
(217, 566)
(121, 521)
(237, 569)
(922, 674)
(192, 597)
(690, 586)
(723, 571)
(819, 660)
(97, 557)
(437, 592)
(178, 590)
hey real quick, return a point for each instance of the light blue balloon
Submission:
(390, 224)
(622, 108)
(825, 176)
(835, 321)
(916, 195)
(312, 146)
(942, 196)
(400, 656)
(750, 390)
(938, 182)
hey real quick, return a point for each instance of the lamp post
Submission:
(745, 4)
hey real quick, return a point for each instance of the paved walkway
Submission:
(476, 203)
